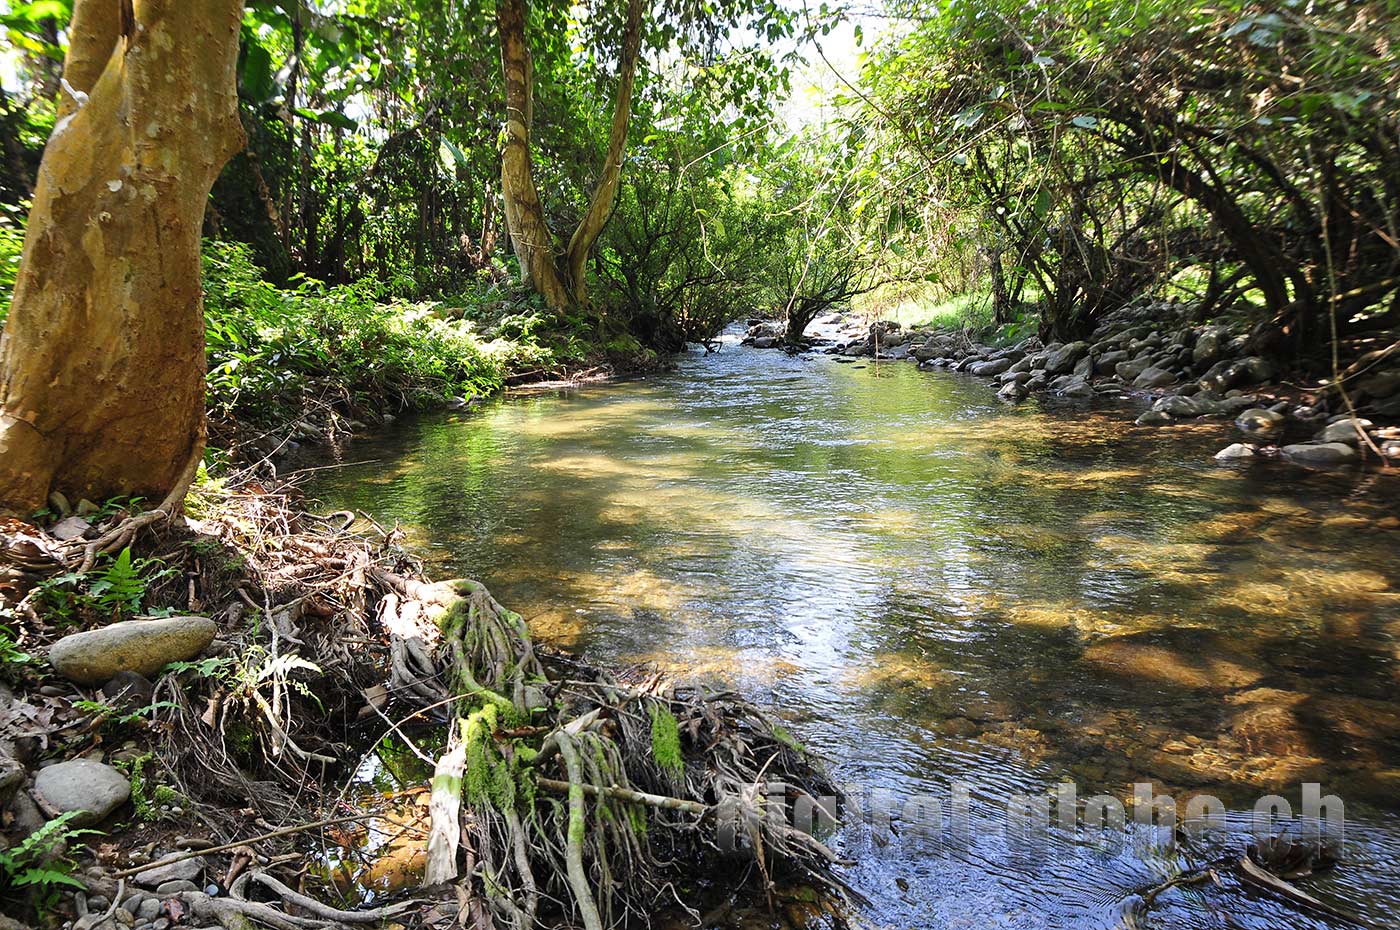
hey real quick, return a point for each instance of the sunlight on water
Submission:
(935, 587)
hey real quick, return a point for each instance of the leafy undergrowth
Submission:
(278, 355)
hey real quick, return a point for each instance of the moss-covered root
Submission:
(573, 856)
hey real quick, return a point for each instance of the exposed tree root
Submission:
(564, 794)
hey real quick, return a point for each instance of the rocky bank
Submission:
(1152, 354)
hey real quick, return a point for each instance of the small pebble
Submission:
(175, 887)
(160, 923)
(211, 890)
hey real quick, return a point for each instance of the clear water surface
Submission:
(936, 588)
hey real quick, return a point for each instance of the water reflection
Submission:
(936, 587)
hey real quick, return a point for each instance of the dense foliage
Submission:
(1047, 163)
(1094, 151)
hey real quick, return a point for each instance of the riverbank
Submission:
(312, 364)
(1153, 354)
(214, 691)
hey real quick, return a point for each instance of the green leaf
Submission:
(338, 120)
(256, 77)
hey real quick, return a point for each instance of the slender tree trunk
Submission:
(600, 207)
(102, 358)
(529, 233)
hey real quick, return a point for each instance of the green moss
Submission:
(148, 797)
(488, 776)
(623, 345)
(786, 738)
(666, 741)
(637, 818)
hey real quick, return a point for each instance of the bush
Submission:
(271, 348)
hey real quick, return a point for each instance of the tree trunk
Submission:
(529, 233)
(102, 359)
(600, 207)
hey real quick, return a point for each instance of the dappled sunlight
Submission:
(1158, 666)
(895, 671)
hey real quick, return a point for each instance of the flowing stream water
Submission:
(936, 589)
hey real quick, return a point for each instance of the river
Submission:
(936, 589)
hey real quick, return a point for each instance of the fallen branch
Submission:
(660, 802)
(274, 835)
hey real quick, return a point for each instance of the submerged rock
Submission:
(1234, 452)
(141, 646)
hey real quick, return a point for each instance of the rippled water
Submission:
(937, 588)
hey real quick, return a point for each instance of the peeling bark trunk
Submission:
(102, 359)
(525, 220)
(529, 233)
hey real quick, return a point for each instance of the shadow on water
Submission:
(937, 588)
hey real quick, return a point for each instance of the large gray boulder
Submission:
(166, 871)
(1320, 453)
(1128, 371)
(1207, 347)
(1013, 392)
(1062, 359)
(90, 788)
(1344, 431)
(1154, 377)
(992, 368)
(1108, 362)
(1381, 385)
(141, 646)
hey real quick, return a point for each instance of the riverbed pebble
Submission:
(1235, 451)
